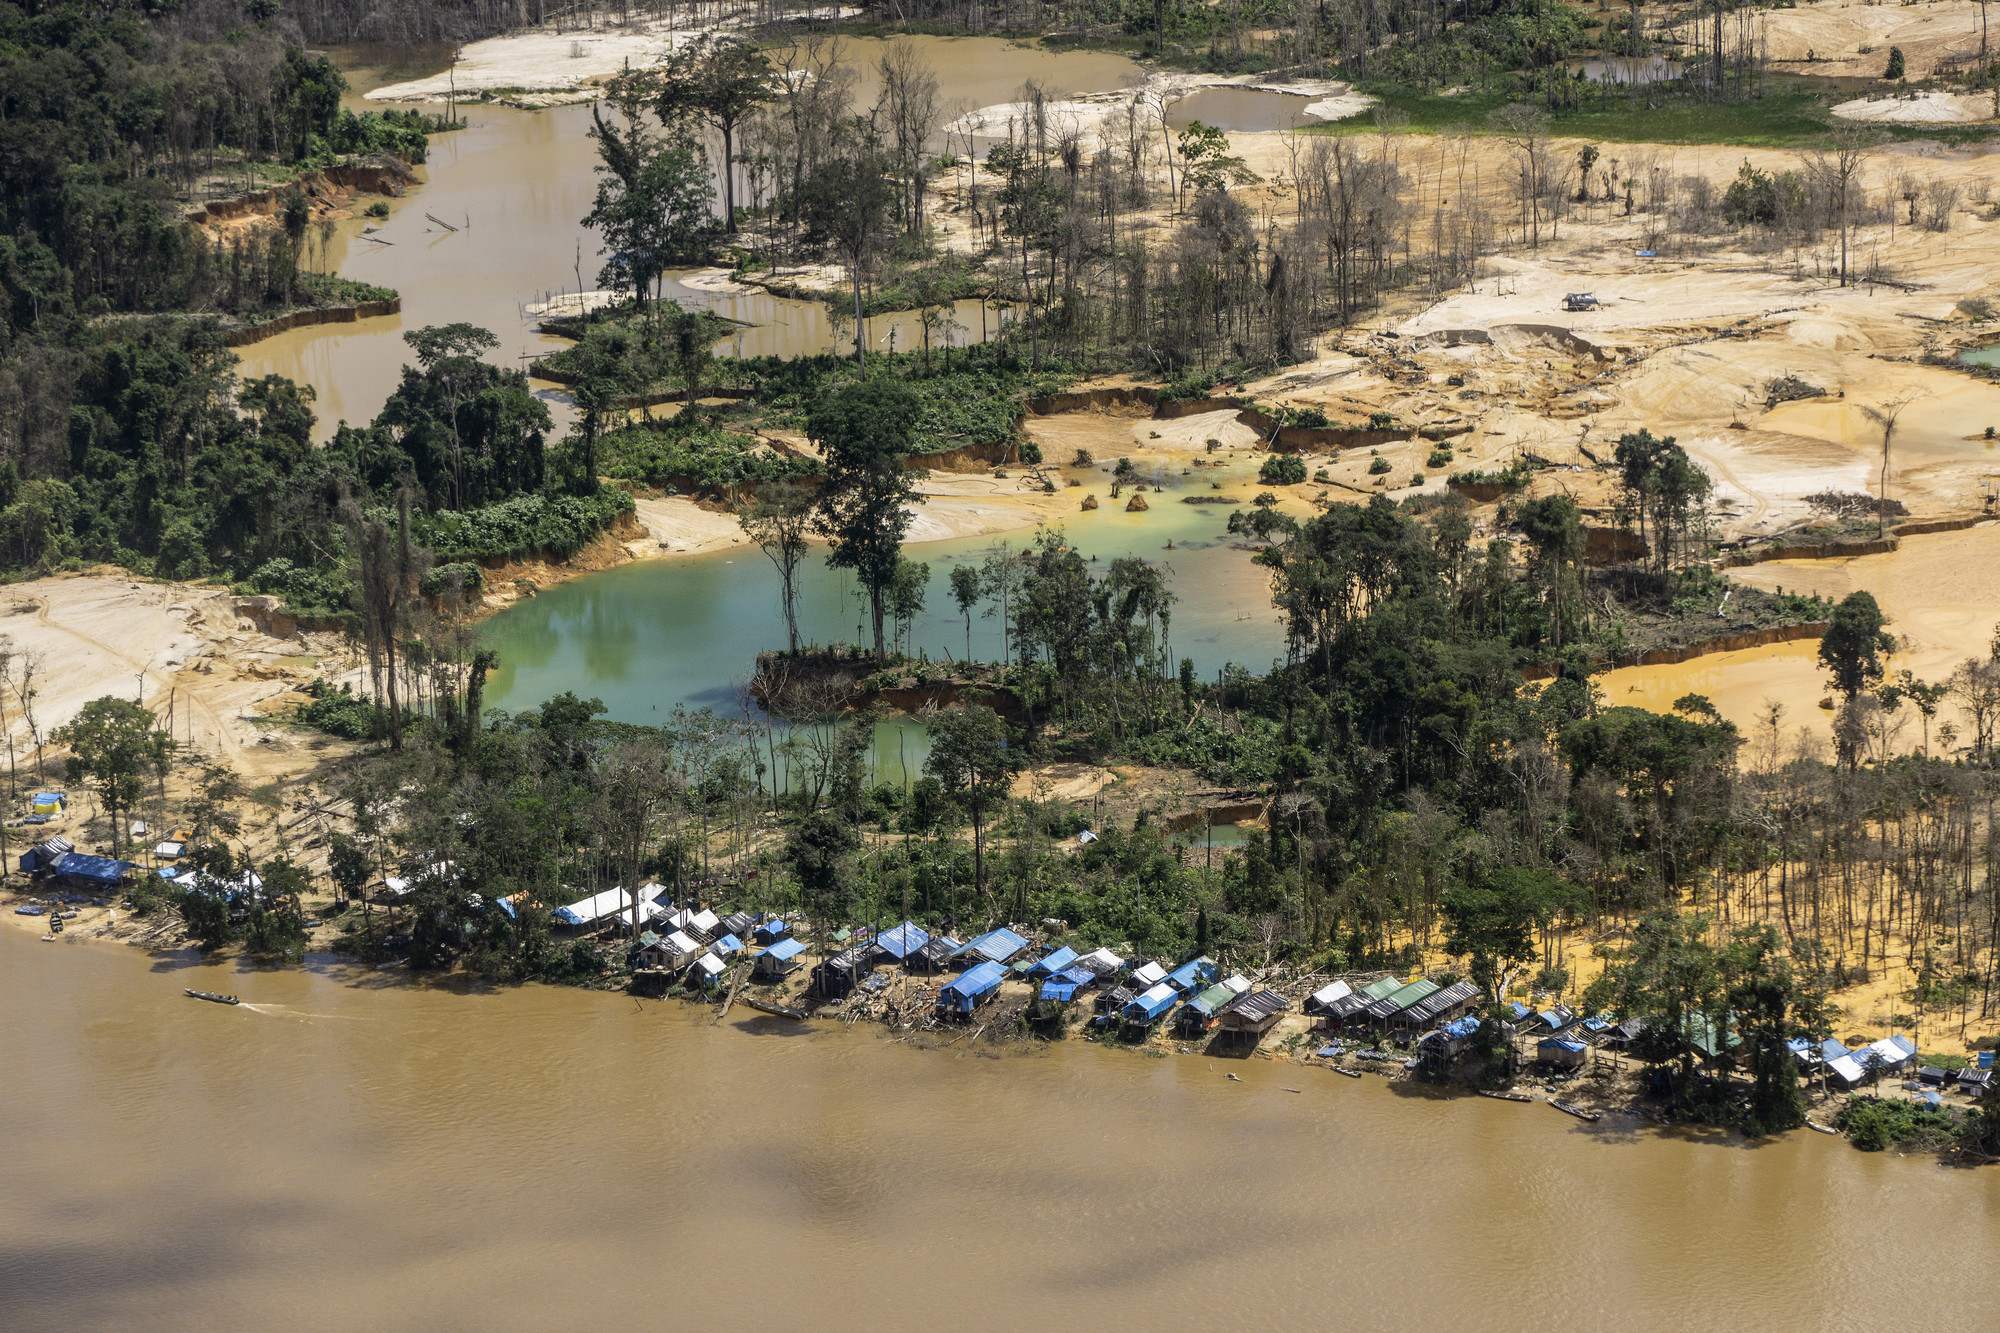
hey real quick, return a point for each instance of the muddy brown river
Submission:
(351, 1151)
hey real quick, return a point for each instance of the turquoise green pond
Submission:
(1982, 356)
(647, 637)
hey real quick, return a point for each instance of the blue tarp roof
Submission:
(785, 950)
(1152, 1004)
(1799, 1046)
(977, 980)
(1192, 973)
(1570, 1044)
(902, 941)
(996, 946)
(727, 945)
(1832, 1050)
(1056, 961)
(1058, 990)
(507, 905)
(1081, 976)
(1461, 1027)
(1932, 1099)
(773, 929)
(97, 869)
(1517, 1011)
(1986, 1059)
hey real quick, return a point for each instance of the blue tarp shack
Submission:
(995, 946)
(1193, 974)
(779, 960)
(1515, 1011)
(1056, 962)
(1561, 1052)
(899, 942)
(1057, 990)
(725, 946)
(1449, 1040)
(1803, 1052)
(1077, 976)
(45, 854)
(1933, 1100)
(707, 970)
(772, 931)
(1150, 1007)
(1986, 1059)
(97, 871)
(971, 988)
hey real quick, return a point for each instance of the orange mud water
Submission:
(347, 1151)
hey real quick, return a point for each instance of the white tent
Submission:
(1149, 975)
(597, 907)
(1237, 982)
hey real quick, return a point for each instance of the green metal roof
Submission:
(1406, 996)
(1375, 990)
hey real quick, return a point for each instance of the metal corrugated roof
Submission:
(1260, 1004)
(1396, 1001)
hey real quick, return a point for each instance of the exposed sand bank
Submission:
(1925, 108)
(1102, 113)
(1851, 38)
(189, 653)
(544, 67)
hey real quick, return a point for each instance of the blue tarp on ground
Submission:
(772, 931)
(96, 869)
(902, 941)
(1056, 961)
(785, 950)
(1193, 974)
(996, 946)
(1062, 992)
(970, 986)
